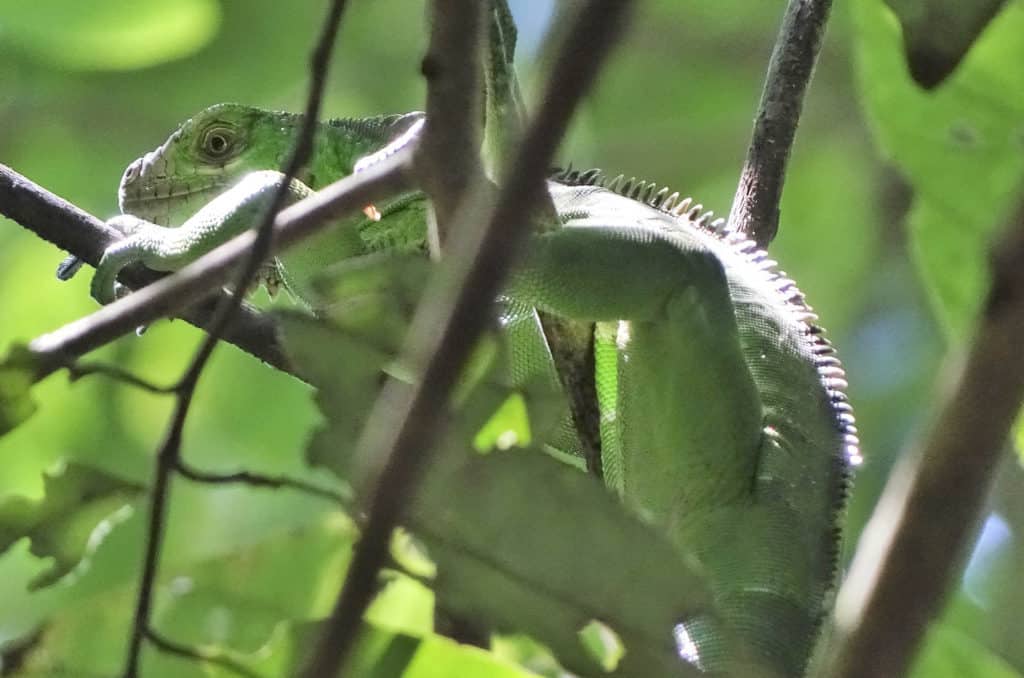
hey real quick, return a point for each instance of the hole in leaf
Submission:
(508, 427)
(603, 644)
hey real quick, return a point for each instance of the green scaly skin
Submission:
(217, 173)
(721, 407)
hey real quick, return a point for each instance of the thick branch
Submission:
(755, 209)
(404, 422)
(448, 163)
(74, 230)
(169, 295)
(916, 537)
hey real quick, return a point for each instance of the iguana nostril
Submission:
(131, 172)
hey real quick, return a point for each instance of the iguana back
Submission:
(761, 449)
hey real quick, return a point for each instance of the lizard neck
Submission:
(341, 142)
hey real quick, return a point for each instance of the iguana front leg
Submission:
(168, 249)
(203, 155)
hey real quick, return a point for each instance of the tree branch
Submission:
(916, 537)
(199, 654)
(755, 209)
(74, 230)
(448, 164)
(171, 293)
(404, 421)
(260, 480)
(79, 370)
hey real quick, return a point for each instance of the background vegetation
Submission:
(892, 198)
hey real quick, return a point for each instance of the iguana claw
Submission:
(67, 269)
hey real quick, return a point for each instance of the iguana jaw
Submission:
(152, 190)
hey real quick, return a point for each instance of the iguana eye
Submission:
(217, 142)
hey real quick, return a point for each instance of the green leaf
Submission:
(80, 507)
(236, 601)
(525, 543)
(439, 657)
(373, 296)
(366, 303)
(960, 146)
(938, 33)
(17, 374)
(347, 372)
(509, 427)
(384, 654)
(949, 653)
(603, 644)
(109, 34)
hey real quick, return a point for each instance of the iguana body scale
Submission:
(718, 404)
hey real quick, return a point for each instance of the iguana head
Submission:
(204, 156)
(218, 146)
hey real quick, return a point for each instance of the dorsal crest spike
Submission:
(658, 199)
(682, 207)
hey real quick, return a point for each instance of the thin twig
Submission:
(916, 537)
(199, 654)
(259, 480)
(448, 163)
(78, 370)
(404, 421)
(755, 209)
(168, 295)
(160, 496)
(169, 456)
(74, 230)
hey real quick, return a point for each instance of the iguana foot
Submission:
(141, 243)
(72, 263)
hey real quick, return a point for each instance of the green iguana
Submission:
(719, 406)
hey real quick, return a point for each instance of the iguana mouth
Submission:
(155, 201)
(167, 190)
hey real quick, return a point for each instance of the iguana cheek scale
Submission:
(719, 408)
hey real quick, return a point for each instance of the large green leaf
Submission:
(961, 147)
(379, 653)
(80, 507)
(524, 542)
(949, 653)
(366, 304)
(347, 372)
(236, 601)
(16, 379)
(938, 33)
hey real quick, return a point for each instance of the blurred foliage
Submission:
(893, 197)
